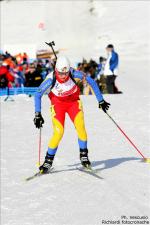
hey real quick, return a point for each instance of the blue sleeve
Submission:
(91, 82)
(45, 85)
(114, 61)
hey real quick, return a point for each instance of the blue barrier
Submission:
(17, 91)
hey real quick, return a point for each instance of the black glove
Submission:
(38, 120)
(104, 105)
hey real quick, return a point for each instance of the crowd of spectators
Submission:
(104, 72)
(20, 71)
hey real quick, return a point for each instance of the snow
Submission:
(70, 197)
(76, 31)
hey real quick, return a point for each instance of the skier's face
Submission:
(62, 75)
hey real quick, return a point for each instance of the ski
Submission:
(33, 176)
(38, 174)
(90, 171)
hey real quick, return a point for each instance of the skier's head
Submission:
(109, 48)
(62, 68)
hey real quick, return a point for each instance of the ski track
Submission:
(68, 196)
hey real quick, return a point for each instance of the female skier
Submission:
(64, 96)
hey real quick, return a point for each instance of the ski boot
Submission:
(84, 158)
(45, 168)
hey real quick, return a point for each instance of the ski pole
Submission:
(145, 159)
(51, 45)
(39, 149)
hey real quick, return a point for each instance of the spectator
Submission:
(33, 77)
(6, 78)
(48, 66)
(20, 71)
(19, 76)
(111, 69)
(101, 81)
(101, 66)
(79, 67)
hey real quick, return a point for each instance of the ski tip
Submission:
(28, 178)
(32, 177)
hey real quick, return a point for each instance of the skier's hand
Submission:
(38, 120)
(104, 105)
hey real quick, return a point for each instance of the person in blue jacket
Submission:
(63, 93)
(113, 59)
(111, 69)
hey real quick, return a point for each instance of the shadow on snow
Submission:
(110, 163)
(107, 164)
